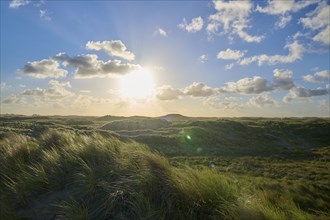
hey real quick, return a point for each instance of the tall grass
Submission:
(93, 176)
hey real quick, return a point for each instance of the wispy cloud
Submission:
(195, 25)
(296, 51)
(283, 9)
(319, 21)
(45, 15)
(160, 32)
(203, 58)
(18, 3)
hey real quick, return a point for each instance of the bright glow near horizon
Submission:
(137, 85)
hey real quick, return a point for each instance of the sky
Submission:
(196, 58)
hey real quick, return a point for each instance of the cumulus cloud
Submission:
(230, 54)
(18, 3)
(160, 32)
(167, 92)
(247, 85)
(56, 91)
(195, 25)
(233, 17)
(319, 21)
(46, 68)
(203, 58)
(113, 48)
(223, 103)
(198, 89)
(303, 93)
(262, 100)
(283, 79)
(318, 77)
(296, 51)
(88, 66)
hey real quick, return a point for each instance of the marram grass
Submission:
(67, 175)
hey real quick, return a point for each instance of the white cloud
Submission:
(203, 58)
(234, 18)
(262, 100)
(198, 89)
(56, 91)
(45, 15)
(18, 3)
(46, 68)
(12, 99)
(323, 36)
(160, 32)
(276, 7)
(246, 85)
(319, 20)
(283, 21)
(295, 53)
(318, 77)
(283, 79)
(230, 54)
(303, 93)
(167, 92)
(113, 48)
(4, 86)
(88, 66)
(195, 25)
(229, 66)
(223, 103)
(283, 9)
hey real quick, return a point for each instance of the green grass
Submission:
(53, 169)
(95, 177)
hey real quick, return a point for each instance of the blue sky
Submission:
(203, 58)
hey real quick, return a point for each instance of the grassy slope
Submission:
(238, 137)
(93, 176)
(74, 172)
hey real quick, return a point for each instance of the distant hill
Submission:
(136, 123)
(174, 117)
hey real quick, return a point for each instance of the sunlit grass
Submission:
(88, 175)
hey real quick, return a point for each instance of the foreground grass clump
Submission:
(67, 175)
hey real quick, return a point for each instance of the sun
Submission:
(137, 85)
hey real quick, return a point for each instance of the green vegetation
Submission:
(72, 168)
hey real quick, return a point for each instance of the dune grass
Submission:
(88, 175)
